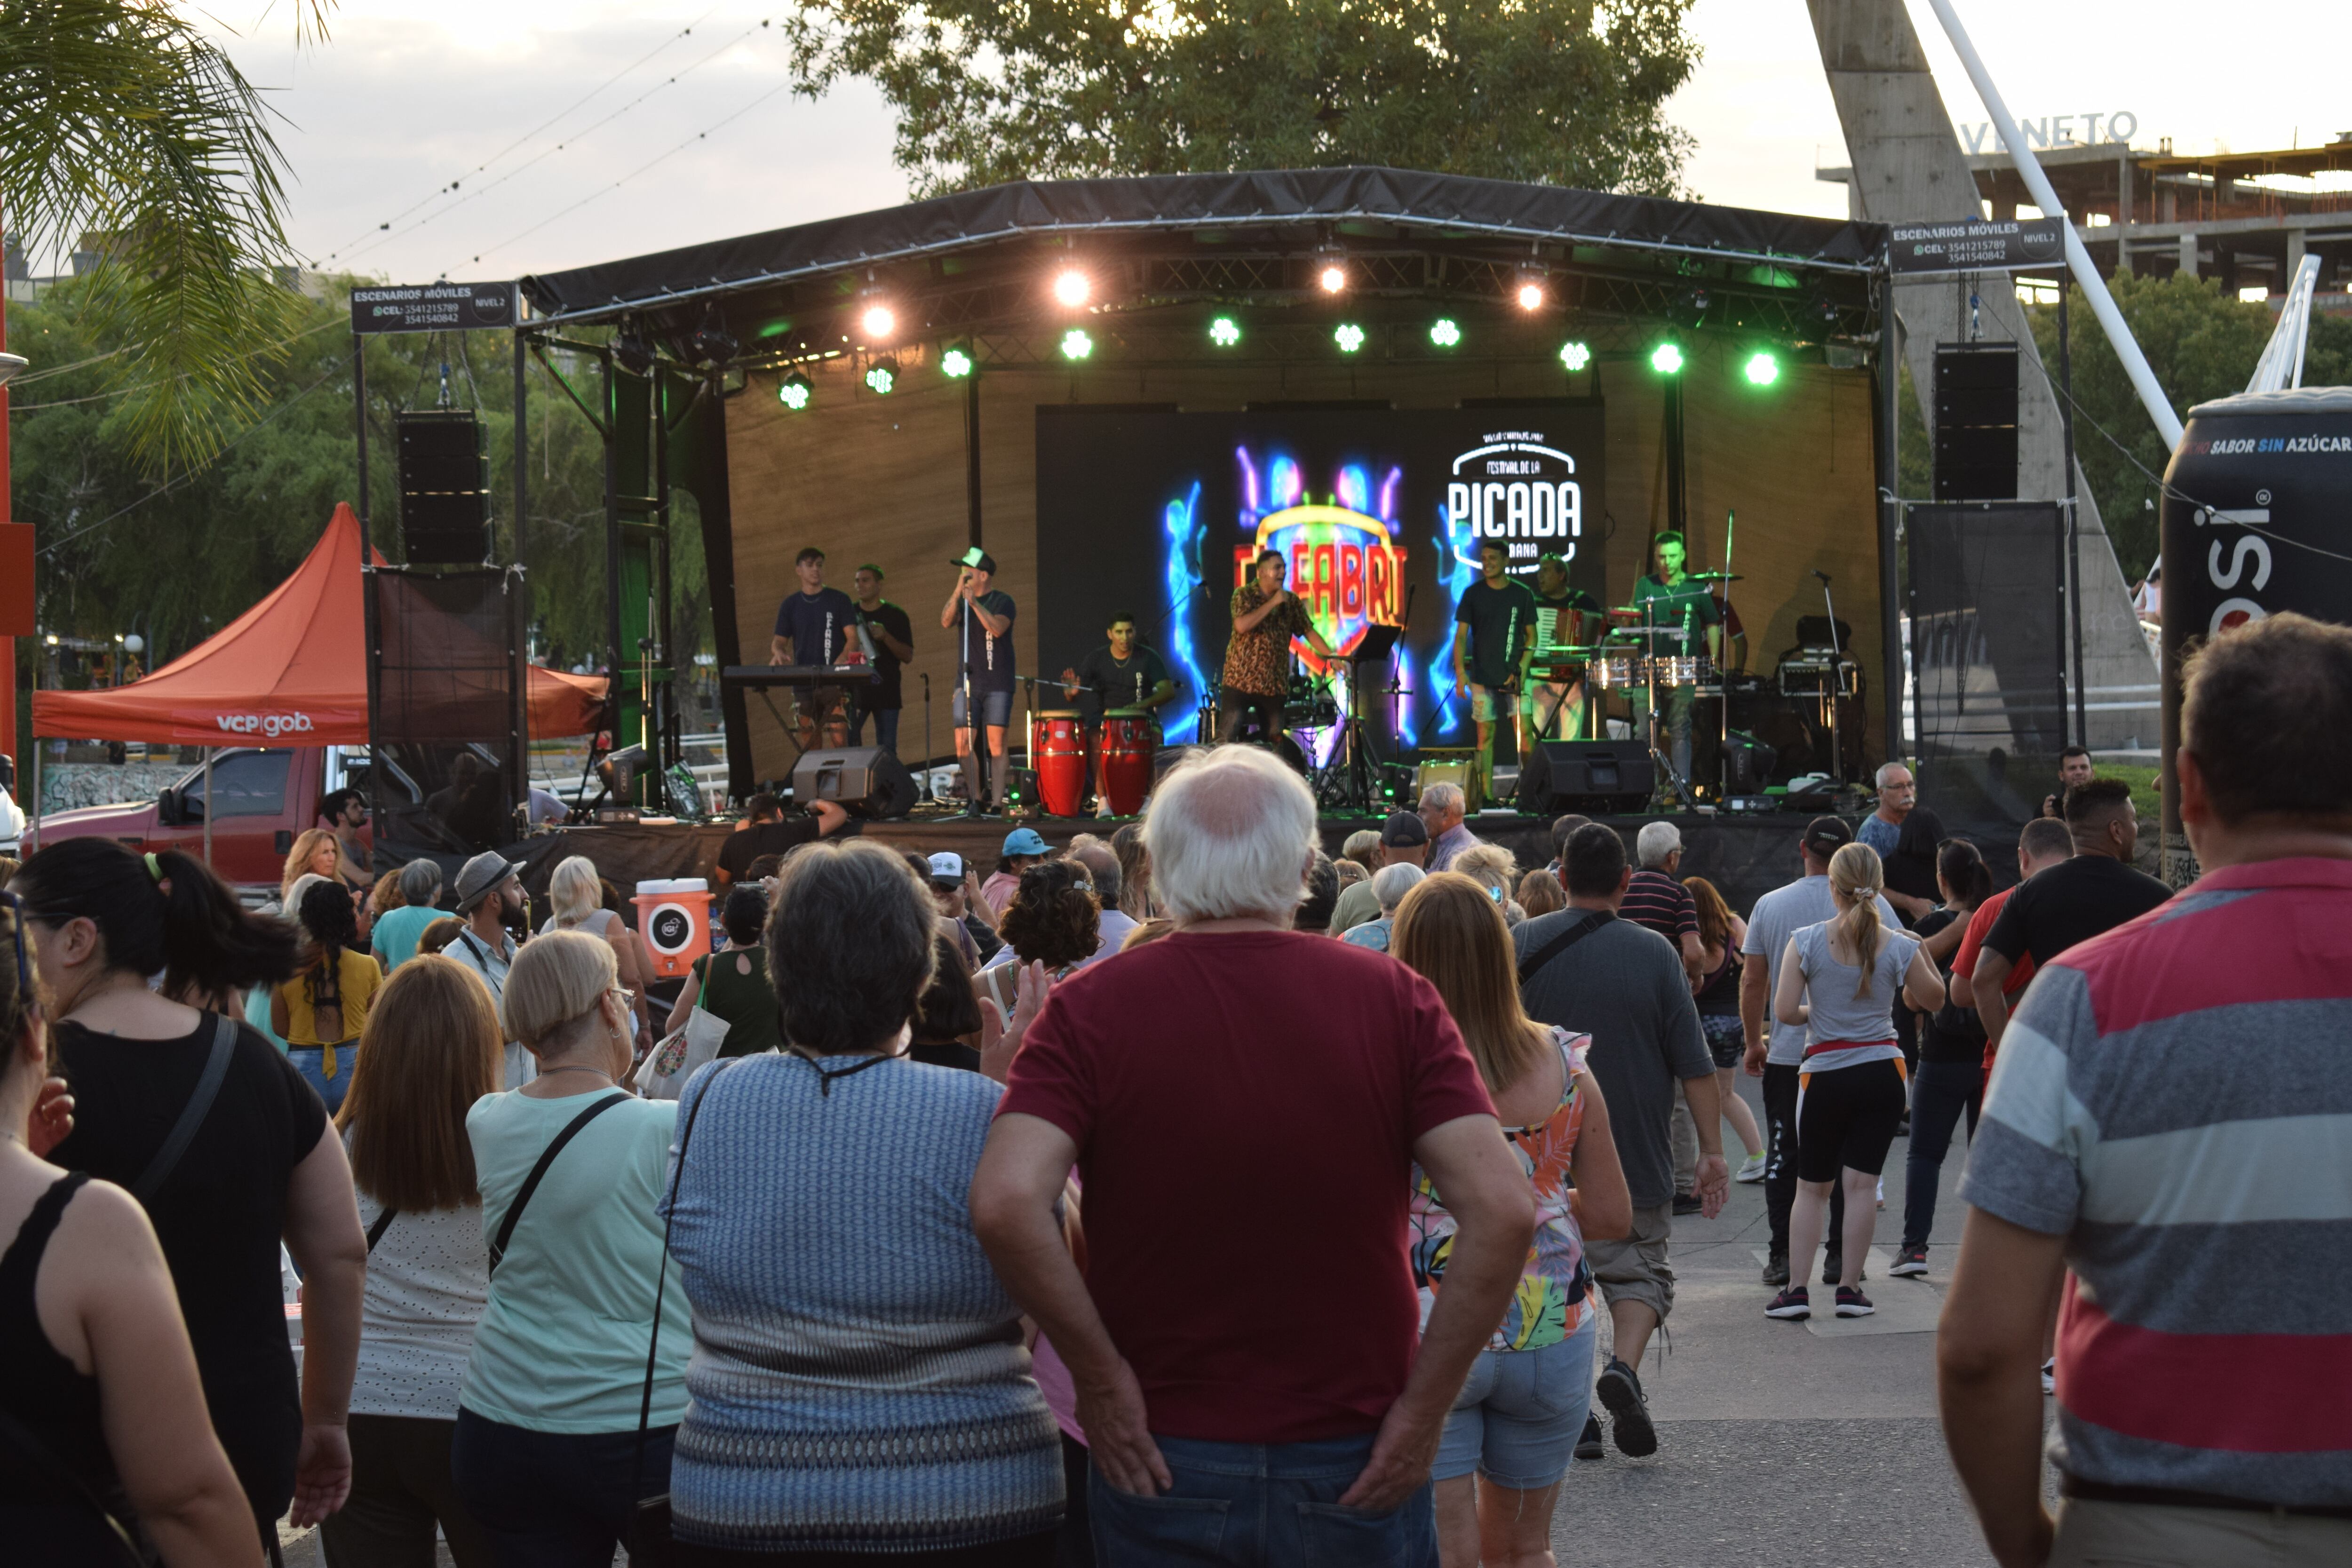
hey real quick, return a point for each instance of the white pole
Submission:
(2103, 304)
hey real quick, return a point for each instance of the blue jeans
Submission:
(1520, 1413)
(1938, 1095)
(555, 1500)
(310, 1061)
(885, 727)
(1260, 1505)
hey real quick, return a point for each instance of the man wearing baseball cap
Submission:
(1023, 848)
(489, 899)
(1779, 915)
(982, 622)
(1404, 841)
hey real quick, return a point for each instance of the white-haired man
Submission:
(1905, 835)
(1213, 1379)
(1390, 885)
(1443, 808)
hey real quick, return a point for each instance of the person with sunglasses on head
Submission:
(557, 1438)
(218, 1137)
(99, 1391)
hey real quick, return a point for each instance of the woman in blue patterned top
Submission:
(859, 1382)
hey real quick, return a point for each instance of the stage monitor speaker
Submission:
(866, 780)
(1586, 775)
(443, 487)
(1976, 421)
(1449, 764)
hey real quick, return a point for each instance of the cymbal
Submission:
(1713, 576)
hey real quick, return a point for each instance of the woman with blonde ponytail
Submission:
(1850, 1091)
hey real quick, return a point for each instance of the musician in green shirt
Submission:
(1687, 611)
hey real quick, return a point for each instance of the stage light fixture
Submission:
(1443, 332)
(1692, 307)
(795, 392)
(1331, 277)
(631, 352)
(1348, 336)
(1072, 288)
(1762, 369)
(1576, 355)
(1666, 359)
(1529, 293)
(956, 363)
(882, 376)
(1076, 344)
(879, 323)
(1224, 331)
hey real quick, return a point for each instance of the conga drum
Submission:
(1130, 736)
(1061, 762)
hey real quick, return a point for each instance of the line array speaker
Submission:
(443, 487)
(1976, 421)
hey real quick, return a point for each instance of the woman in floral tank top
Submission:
(1513, 1427)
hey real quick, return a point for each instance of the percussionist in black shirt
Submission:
(1121, 674)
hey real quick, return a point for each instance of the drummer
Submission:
(1673, 600)
(1121, 674)
(1554, 684)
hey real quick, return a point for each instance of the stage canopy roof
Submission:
(972, 260)
(291, 671)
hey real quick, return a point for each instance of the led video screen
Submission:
(1157, 513)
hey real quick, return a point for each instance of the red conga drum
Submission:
(1131, 737)
(1061, 762)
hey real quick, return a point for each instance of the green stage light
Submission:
(1348, 336)
(1076, 344)
(1443, 332)
(1762, 369)
(956, 363)
(1576, 357)
(795, 392)
(1224, 331)
(1666, 359)
(881, 376)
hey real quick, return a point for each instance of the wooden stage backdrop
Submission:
(883, 479)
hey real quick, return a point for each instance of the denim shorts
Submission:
(1275, 1505)
(995, 708)
(1726, 1041)
(310, 1061)
(1518, 1417)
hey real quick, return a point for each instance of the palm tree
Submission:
(124, 131)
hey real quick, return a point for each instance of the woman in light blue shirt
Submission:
(395, 931)
(547, 1454)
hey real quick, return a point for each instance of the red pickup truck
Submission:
(264, 797)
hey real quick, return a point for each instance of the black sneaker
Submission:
(1588, 1442)
(1794, 1302)
(1775, 1269)
(1629, 1411)
(1853, 1303)
(1909, 1261)
(1833, 1263)
(1686, 1203)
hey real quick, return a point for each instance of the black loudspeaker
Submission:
(443, 487)
(1976, 421)
(1586, 775)
(866, 780)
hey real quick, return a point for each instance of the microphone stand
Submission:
(978, 782)
(1833, 686)
(929, 793)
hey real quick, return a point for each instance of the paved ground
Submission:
(1784, 1443)
(1779, 1443)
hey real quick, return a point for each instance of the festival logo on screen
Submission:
(1516, 490)
(1346, 565)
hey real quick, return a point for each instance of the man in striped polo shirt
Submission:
(2170, 1119)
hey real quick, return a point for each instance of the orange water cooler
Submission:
(674, 918)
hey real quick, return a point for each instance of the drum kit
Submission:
(1635, 653)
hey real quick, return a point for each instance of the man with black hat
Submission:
(1404, 841)
(1779, 915)
(982, 622)
(489, 899)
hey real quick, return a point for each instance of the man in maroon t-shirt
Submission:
(1245, 1104)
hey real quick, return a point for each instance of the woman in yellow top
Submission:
(321, 1012)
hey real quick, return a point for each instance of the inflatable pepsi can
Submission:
(2256, 518)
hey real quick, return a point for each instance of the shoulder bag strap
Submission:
(192, 1115)
(1563, 942)
(547, 1158)
(661, 1272)
(383, 1223)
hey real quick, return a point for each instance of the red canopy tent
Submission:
(292, 670)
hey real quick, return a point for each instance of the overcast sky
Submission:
(412, 94)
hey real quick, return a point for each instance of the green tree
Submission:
(2201, 344)
(1567, 92)
(126, 133)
